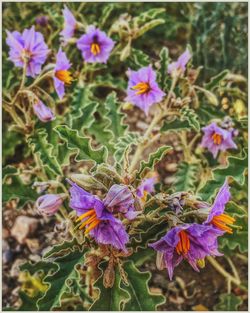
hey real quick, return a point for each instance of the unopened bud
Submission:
(49, 204)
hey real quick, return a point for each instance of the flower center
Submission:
(144, 197)
(91, 221)
(221, 221)
(142, 88)
(183, 245)
(95, 48)
(26, 55)
(64, 76)
(217, 138)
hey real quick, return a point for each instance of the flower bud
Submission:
(50, 203)
(42, 20)
(43, 112)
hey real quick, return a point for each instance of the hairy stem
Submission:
(223, 272)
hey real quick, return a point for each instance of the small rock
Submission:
(7, 256)
(33, 244)
(199, 307)
(23, 227)
(171, 167)
(169, 180)
(34, 257)
(5, 233)
(15, 267)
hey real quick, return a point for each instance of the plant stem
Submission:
(24, 75)
(223, 272)
(157, 118)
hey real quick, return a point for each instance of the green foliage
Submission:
(141, 299)
(235, 168)
(14, 188)
(124, 145)
(39, 145)
(175, 125)
(216, 80)
(228, 302)
(82, 146)
(186, 177)
(115, 117)
(191, 117)
(110, 299)
(138, 59)
(164, 61)
(153, 159)
(61, 280)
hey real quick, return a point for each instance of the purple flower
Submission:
(42, 20)
(27, 47)
(216, 216)
(43, 112)
(95, 45)
(62, 75)
(147, 186)
(143, 90)
(96, 214)
(120, 199)
(69, 25)
(216, 139)
(49, 204)
(192, 242)
(179, 66)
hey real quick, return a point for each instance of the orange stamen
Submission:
(183, 245)
(221, 221)
(64, 76)
(91, 226)
(88, 221)
(90, 212)
(95, 48)
(217, 139)
(142, 88)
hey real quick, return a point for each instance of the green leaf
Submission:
(124, 144)
(175, 125)
(14, 188)
(106, 14)
(141, 297)
(61, 280)
(87, 118)
(61, 248)
(115, 117)
(186, 177)
(138, 59)
(228, 302)
(146, 27)
(236, 168)
(153, 159)
(215, 81)
(80, 99)
(191, 117)
(44, 150)
(7, 171)
(81, 145)
(148, 16)
(110, 299)
(164, 61)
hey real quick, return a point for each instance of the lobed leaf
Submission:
(228, 302)
(153, 159)
(39, 145)
(215, 81)
(82, 146)
(236, 168)
(186, 177)
(141, 299)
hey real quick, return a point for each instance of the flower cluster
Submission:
(193, 242)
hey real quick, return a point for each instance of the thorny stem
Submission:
(157, 118)
(233, 268)
(223, 272)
